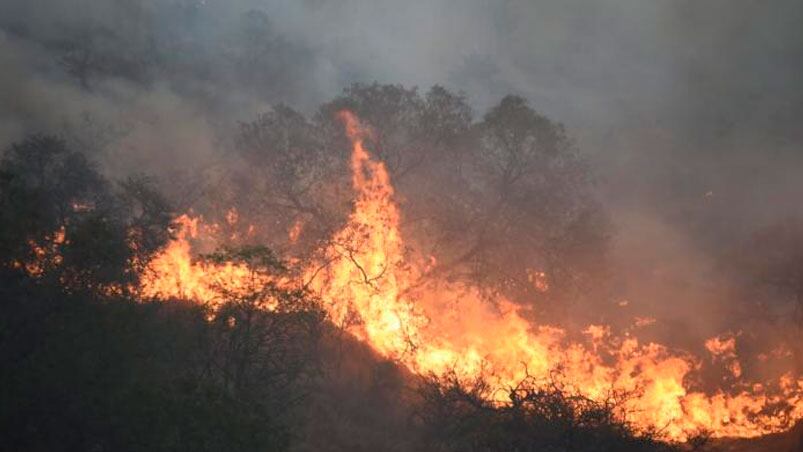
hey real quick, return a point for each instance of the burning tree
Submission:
(370, 283)
(377, 278)
(459, 415)
(493, 202)
(63, 221)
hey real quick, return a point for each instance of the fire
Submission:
(722, 346)
(175, 274)
(295, 231)
(539, 280)
(46, 253)
(373, 286)
(232, 216)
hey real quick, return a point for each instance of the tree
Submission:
(83, 373)
(267, 333)
(534, 193)
(517, 201)
(64, 222)
(463, 416)
(88, 370)
(287, 178)
(409, 131)
(501, 202)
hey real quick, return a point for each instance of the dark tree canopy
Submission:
(88, 368)
(57, 209)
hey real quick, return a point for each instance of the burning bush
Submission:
(458, 415)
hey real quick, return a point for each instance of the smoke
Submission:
(690, 112)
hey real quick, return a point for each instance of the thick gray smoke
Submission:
(676, 85)
(689, 111)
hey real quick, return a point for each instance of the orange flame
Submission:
(722, 346)
(174, 274)
(371, 286)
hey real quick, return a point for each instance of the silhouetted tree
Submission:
(462, 416)
(287, 177)
(61, 215)
(266, 334)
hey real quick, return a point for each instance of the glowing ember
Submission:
(45, 253)
(371, 285)
(538, 280)
(295, 231)
(642, 322)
